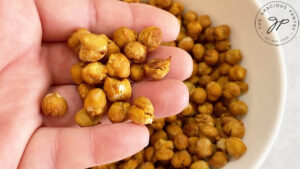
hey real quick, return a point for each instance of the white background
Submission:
(285, 153)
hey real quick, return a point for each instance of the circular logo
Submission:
(276, 17)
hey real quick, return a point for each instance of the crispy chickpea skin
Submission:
(189, 16)
(192, 144)
(112, 47)
(243, 86)
(76, 73)
(218, 160)
(199, 95)
(176, 8)
(205, 21)
(238, 108)
(93, 47)
(160, 134)
(94, 73)
(150, 37)
(237, 73)
(204, 69)
(95, 102)
(171, 119)
(148, 153)
(74, 40)
(181, 141)
(117, 89)
(136, 52)
(234, 128)
(210, 132)
(209, 34)
(157, 68)
(231, 90)
(123, 35)
(181, 159)
(137, 72)
(194, 28)
(204, 79)
(204, 147)
(164, 3)
(191, 129)
(206, 108)
(186, 43)
(188, 111)
(118, 66)
(54, 104)
(139, 157)
(158, 124)
(235, 147)
(173, 130)
(224, 69)
(130, 164)
(163, 150)
(142, 111)
(233, 56)
(83, 119)
(211, 57)
(118, 111)
(194, 79)
(146, 165)
(191, 87)
(222, 32)
(199, 165)
(83, 89)
(182, 34)
(223, 45)
(198, 51)
(214, 91)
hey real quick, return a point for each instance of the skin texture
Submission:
(34, 59)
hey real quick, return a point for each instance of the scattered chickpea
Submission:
(235, 147)
(176, 8)
(204, 69)
(206, 108)
(237, 73)
(74, 40)
(204, 119)
(95, 102)
(204, 147)
(118, 111)
(150, 37)
(188, 111)
(198, 51)
(210, 132)
(243, 86)
(191, 129)
(222, 32)
(171, 119)
(146, 165)
(204, 80)
(194, 28)
(195, 68)
(220, 109)
(117, 90)
(221, 144)
(189, 16)
(157, 68)
(118, 66)
(182, 34)
(83, 89)
(194, 79)
(224, 69)
(139, 157)
(223, 45)
(231, 90)
(238, 108)
(211, 57)
(214, 91)
(186, 43)
(191, 87)
(158, 124)
(163, 150)
(76, 73)
(233, 56)
(136, 52)
(181, 159)
(130, 164)
(199, 165)
(234, 128)
(136, 72)
(94, 73)
(83, 119)
(173, 130)
(164, 3)
(223, 80)
(192, 144)
(181, 141)
(141, 111)
(112, 48)
(123, 35)
(199, 95)
(215, 75)
(218, 160)
(209, 34)
(54, 104)
(148, 153)
(205, 21)
(160, 134)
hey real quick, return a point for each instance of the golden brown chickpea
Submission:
(204, 147)
(231, 90)
(181, 159)
(215, 75)
(172, 44)
(209, 34)
(199, 95)
(199, 165)
(136, 72)
(123, 35)
(83, 89)
(195, 68)
(214, 91)
(150, 37)
(186, 43)
(173, 130)
(84, 120)
(243, 86)
(148, 153)
(139, 157)
(226, 117)
(157, 68)
(223, 45)
(182, 34)
(189, 16)
(130, 164)
(218, 160)
(112, 47)
(206, 108)
(117, 90)
(223, 80)
(222, 58)
(151, 130)
(235, 147)
(161, 143)
(211, 57)
(204, 69)
(146, 165)
(194, 28)
(142, 111)
(94, 73)
(192, 144)
(204, 79)
(224, 69)
(221, 144)
(222, 32)
(220, 109)
(152, 2)
(198, 51)
(136, 52)
(204, 119)
(93, 47)
(237, 73)
(54, 104)
(176, 8)
(95, 102)
(233, 56)
(164, 3)
(171, 119)
(74, 40)
(191, 129)
(234, 128)
(205, 21)
(181, 141)
(191, 87)
(76, 73)
(158, 124)
(194, 79)
(238, 107)
(188, 111)
(118, 66)
(163, 150)
(160, 134)
(210, 132)
(118, 111)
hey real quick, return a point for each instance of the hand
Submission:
(34, 60)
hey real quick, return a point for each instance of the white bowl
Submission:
(265, 74)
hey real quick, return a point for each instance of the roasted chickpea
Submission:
(195, 68)
(209, 34)
(231, 90)
(146, 165)
(150, 37)
(118, 66)
(186, 43)
(189, 16)
(136, 52)
(192, 144)
(220, 109)
(54, 104)
(173, 130)
(211, 57)
(214, 91)
(194, 28)
(76, 73)
(222, 32)
(243, 86)
(182, 34)
(218, 160)
(204, 69)
(237, 73)
(210, 132)
(235, 147)
(112, 47)
(209, 45)
(204, 119)
(136, 72)
(194, 79)
(94, 73)
(130, 164)
(198, 51)
(215, 75)
(181, 141)
(171, 119)
(188, 111)
(238, 107)
(163, 150)
(204, 147)
(199, 165)
(148, 153)
(93, 47)
(141, 111)
(118, 111)
(83, 119)
(158, 124)
(223, 80)
(223, 45)
(191, 129)
(176, 8)
(83, 89)
(123, 35)
(234, 128)
(205, 21)
(224, 69)
(221, 144)
(95, 102)
(74, 40)
(117, 89)
(161, 143)
(204, 80)
(157, 68)
(199, 95)
(191, 87)
(233, 56)
(164, 3)
(206, 108)
(172, 44)
(139, 157)
(160, 134)
(181, 159)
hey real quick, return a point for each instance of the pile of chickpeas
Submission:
(208, 132)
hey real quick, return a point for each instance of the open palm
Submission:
(34, 59)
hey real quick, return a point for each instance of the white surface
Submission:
(285, 153)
